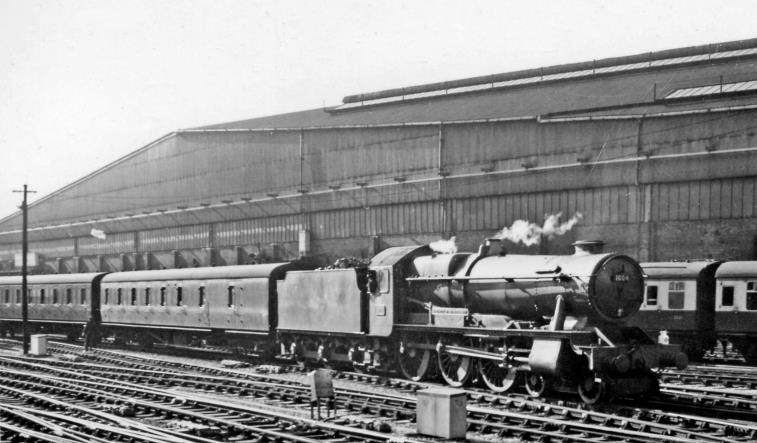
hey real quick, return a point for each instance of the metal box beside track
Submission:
(442, 412)
(326, 300)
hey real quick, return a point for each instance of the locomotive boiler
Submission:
(557, 321)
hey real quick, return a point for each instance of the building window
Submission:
(727, 295)
(41, 296)
(202, 296)
(147, 296)
(55, 297)
(133, 296)
(163, 296)
(107, 293)
(69, 296)
(119, 296)
(751, 296)
(83, 296)
(230, 296)
(676, 294)
(651, 295)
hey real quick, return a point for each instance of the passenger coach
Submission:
(58, 303)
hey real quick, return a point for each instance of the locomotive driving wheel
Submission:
(455, 369)
(536, 384)
(497, 376)
(590, 389)
(414, 362)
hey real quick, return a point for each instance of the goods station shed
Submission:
(657, 151)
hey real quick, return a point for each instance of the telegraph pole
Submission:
(24, 271)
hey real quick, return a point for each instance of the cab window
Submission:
(676, 293)
(383, 281)
(651, 295)
(727, 296)
(751, 296)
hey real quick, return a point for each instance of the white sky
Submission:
(83, 83)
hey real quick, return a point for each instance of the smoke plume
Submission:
(523, 231)
(444, 246)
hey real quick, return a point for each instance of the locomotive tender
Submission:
(553, 322)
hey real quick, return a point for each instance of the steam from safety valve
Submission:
(444, 246)
(528, 233)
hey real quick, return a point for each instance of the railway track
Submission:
(131, 405)
(728, 376)
(505, 416)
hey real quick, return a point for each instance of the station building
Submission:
(657, 151)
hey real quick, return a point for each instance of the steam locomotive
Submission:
(549, 322)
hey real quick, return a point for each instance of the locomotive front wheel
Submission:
(455, 369)
(497, 378)
(590, 390)
(536, 385)
(414, 362)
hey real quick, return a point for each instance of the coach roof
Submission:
(208, 273)
(738, 269)
(671, 269)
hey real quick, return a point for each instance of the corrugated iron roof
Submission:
(612, 91)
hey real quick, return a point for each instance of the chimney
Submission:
(585, 247)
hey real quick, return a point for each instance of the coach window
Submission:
(41, 296)
(56, 300)
(133, 296)
(202, 296)
(147, 296)
(107, 293)
(676, 292)
(651, 295)
(83, 296)
(18, 296)
(119, 296)
(751, 296)
(179, 296)
(69, 298)
(7, 296)
(163, 296)
(230, 296)
(727, 296)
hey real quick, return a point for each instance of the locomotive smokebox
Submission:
(585, 247)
